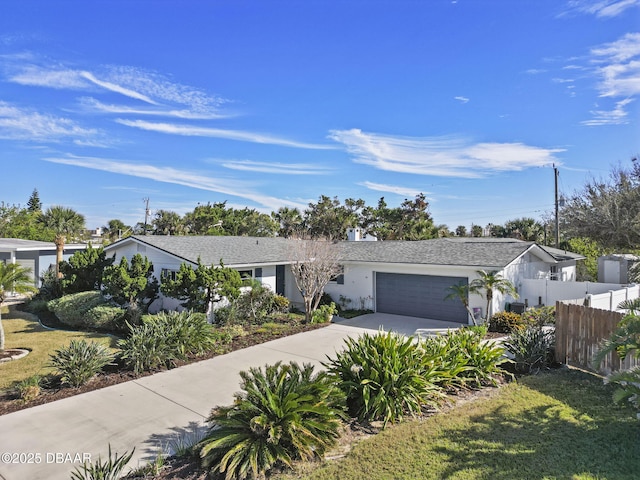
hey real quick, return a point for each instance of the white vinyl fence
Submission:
(604, 296)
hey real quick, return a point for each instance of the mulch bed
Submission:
(53, 390)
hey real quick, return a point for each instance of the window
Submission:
(246, 274)
(339, 278)
(553, 270)
(167, 273)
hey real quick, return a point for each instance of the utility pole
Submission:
(555, 176)
(147, 212)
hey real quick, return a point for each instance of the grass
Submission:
(23, 330)
(559, 425)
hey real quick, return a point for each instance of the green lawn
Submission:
(23, 330)
(559, 425)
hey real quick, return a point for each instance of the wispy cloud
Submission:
(94, 105)
(599, 8)
(20, 124)
(398, 190)
(449, 156)
(239, 135)
(176, 176)
(131, 82)
(617, 67)
(617, 116)
(461, 99)
(276, 167)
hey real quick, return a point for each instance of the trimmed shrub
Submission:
(105, 317)
(281, 304)
(72, 309)
(385, 376)
(532, 348)
(80, 361)
(505, 322)
(283, 414)
(88, 310)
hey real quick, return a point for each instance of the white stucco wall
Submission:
(359, 282)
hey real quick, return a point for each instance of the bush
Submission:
(37, 306)
(540, 316)
(532, 348)
(105, 317)
(505, 322)
(253, 307)
(384, 376)
(281, 304)
(72, 309)
(80, 361)
(29, 388)
(284, 414)
(482, 359)
(164, 338)
(324, 313)
(88, 310)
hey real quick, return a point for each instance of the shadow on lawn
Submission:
(570, 430)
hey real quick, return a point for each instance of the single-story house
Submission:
(398, 277)
(34, 255)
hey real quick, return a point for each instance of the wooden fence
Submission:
(579, 331)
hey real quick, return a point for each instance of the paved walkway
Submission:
(47, 441)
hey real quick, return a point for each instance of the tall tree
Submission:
(67, 224)
(34, 205)
(13, 278)
(166, 222)
(116, 229)
(461, 231)
(314, 264)
(525, 228)
(607, 210)
(289, 221)
(476, 231)
(491, 282)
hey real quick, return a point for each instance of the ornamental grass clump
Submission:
(532, 348)
(164, 338)
(80, 361)
(284, 413)
(385, 376)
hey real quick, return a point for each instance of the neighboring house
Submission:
(400, 277)
(34, 255)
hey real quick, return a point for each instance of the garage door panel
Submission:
(419, 296)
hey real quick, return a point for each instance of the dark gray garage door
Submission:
(419, 296)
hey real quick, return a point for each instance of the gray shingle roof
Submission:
(476, 252)
(232, 250)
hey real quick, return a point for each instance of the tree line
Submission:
(602, 217)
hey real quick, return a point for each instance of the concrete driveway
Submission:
(48, 441)
(399, 324)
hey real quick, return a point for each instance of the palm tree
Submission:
(13, 277)
(492, 282)
(66, 223)
(461, 292)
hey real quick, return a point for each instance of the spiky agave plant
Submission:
(285, 412)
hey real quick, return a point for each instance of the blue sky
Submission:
(273, 103)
